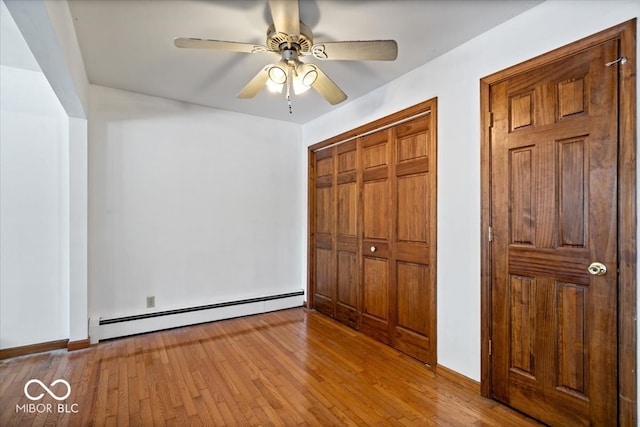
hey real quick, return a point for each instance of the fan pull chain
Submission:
(289, 90)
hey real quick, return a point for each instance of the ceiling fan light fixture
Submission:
(274, 87)
(277, 75)
(299, 87)
(291, 39)
(306, 75)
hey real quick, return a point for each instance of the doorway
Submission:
(558, 224)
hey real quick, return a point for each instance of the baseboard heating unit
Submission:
(106, 328)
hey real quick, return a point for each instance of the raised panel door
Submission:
(376, 232)
(347, 235)
(413, 236)
(554, 211)
(324, 272)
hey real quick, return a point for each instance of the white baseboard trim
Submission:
(106, 328)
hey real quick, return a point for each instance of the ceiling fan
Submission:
(289, 38)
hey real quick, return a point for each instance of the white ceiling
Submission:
(128, 44)
(14, 51)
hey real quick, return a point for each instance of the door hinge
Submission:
(490, 234)
(490, 348)
(490, 119)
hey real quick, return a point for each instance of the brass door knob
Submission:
(597, 269)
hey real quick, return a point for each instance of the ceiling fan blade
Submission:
(364, 50)
(286, 16)
(327, 88)
(256, 84)
(218, 45)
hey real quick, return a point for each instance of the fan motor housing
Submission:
(277, 42)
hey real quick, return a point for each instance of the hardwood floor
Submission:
(291, 367)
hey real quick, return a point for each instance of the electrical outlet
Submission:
(151, 302)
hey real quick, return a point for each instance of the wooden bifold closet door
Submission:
(372, 230)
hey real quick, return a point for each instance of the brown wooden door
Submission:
(373, 230)
(376, 240)
(324, 239)
(336, 227)
(413, 235)
(553, 213)
(347, 234)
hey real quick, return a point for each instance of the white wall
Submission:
(34, 213)
(78, 230)
(454, 79)
(189, 204)
(40, 36)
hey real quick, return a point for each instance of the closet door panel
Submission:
(375, 313)
(376, 233)
(375, 212)
(412, 295)
(413, 310)
(324, 210)
(412, 208)
(347, 298)
(347, 206)
(325, 281)
(347, 247)
(324, 240)
(374, 151)
(347, 157)
(414, 219)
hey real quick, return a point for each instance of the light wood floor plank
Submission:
(287, 368)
